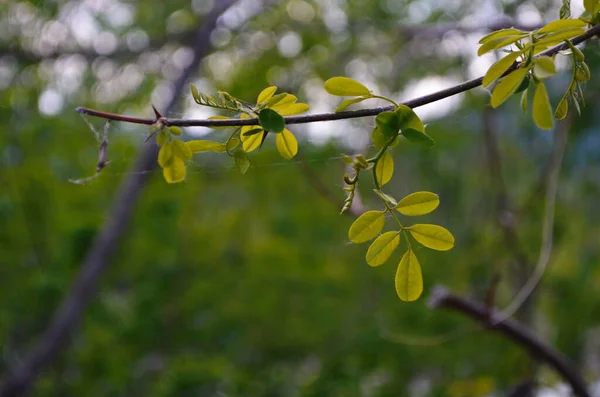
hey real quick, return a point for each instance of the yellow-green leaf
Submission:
(198, 146)
(543, 67)
(175, 130)
(348, 102)
(499, 34)
(498, 69)
(251, 142)
(418, 203)
(382, 248)
(562, 24)
(409, 281)
(287, 145)
(219, 118)
(174, 170)
(497, 43)
(266, 94)
(562, 108)
(290, 109)
(432, 236)
(507, 86)
(275, 100)
(162, 138)
(366, 227)
(165, 154)
(590, 6)
(180, 149)
(556, 38)
(287, 99)
(345, 86)
(541, 108)
(384, 168)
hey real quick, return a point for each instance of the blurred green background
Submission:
(231, 285)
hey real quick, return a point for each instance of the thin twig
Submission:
(414, 103)
(560, 141)
(102, 161)
(514, 331)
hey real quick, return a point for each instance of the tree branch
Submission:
(69, 313)
(413, 103)
(514, 331)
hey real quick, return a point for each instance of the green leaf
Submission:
(271, 121)
(409, 281)
(388, 123)
(407, 118)
(418, 137)
(195, 93)
(432, 236)
(241, 161)
(565, 9)
(287, 145)
(524, 97)
(543, 67)
(198, 146)
(562, 108)
(379, 140)
(344, 86)
(232, 144)
(266, 94)
(497, 43)
(174, 171)
(583, 72)
(507, 86)
(181, 150)
(165, 155)
(382, 248)
(367, 226)
(500, 34)
(384, 168)
(418, 203)
(348, 102)
(563, 24)
(497, 70)
(541, 108)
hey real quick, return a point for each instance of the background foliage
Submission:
(246, 285)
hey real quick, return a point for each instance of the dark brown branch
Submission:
(413, 103)
(514, 331)
(69, 313)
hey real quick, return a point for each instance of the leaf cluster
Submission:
(389, 127)
(523, 69)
